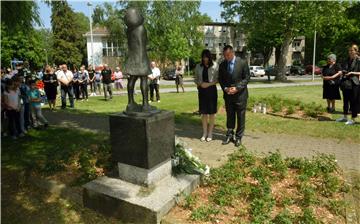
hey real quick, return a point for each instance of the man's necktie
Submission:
(229, 67)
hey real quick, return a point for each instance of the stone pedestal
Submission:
(143, 142)
(145, 190)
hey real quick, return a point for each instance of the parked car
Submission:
(296, 70)
(257, 71)
(169, 74)
(308, 70)
(272, 71)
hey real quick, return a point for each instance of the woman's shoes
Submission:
(208, 138)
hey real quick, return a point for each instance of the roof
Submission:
(98, 31)
(219, 24)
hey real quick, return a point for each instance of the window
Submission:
(296, 43)
(110, 49)
(220, 44)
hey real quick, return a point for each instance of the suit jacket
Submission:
(212, 73)
(239, 78)
(355, 67)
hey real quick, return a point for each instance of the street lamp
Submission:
(46, 56)
(91, 35)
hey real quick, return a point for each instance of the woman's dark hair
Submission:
(206, 53)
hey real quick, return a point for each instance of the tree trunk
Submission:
(281, 65)
(267, 55)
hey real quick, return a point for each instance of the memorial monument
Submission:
(142, 140)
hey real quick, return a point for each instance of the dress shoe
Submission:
(228, 140)
(238, 142)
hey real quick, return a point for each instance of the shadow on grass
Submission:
(23, 203)
(47, 152)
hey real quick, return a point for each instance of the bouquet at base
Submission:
(184, 161)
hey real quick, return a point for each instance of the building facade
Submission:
(217, 35)
(104, 50)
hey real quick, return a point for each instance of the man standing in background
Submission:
(154, 78)
(65, 77)
(106, 80)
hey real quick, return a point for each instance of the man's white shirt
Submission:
(155, 74)
(65, 78)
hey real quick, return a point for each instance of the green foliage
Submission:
(278, 103)
(204, 213)
(274, 24)
(44, 152)
(307, 217)
(309, 194)
(22, 46)
(19, 16)
(276, 163)
(190, 201)
(337, 207)
(313, 110)
(284, 217)
(170, 26)
(68, 40)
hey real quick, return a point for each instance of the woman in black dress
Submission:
(351, 92)
(50, 86)
(331, 75)
(206, 77)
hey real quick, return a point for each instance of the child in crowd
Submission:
(98, 81)
(12, 108)
(35, 100)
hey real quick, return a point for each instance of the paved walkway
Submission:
(253, 85)
(215, 154)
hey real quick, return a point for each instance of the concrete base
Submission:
(145, 177)
(135, 204)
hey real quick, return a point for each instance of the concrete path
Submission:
(215, 154)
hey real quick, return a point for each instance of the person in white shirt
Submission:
(154, 78)
(65, 77)
(118, 79)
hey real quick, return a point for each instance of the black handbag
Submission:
(345, 84)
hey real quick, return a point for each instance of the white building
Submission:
(218, 35)
(105, 51)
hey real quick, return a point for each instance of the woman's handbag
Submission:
(345, 84)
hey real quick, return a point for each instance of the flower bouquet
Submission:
(184, 161)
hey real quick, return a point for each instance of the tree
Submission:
(172, 27)
(67, 37)
(19, 39)
(19, 15)
(276, 24)
(173, 30)
(336, 36)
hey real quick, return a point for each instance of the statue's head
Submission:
(133, 18)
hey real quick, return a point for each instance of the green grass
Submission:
(55, 150)
(185, 104)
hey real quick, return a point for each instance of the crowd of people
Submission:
(23, 92)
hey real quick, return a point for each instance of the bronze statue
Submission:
(137, 64)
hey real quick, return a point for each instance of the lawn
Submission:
(75, 156)
(185, 104)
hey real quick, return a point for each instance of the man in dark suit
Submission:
(234, 75)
